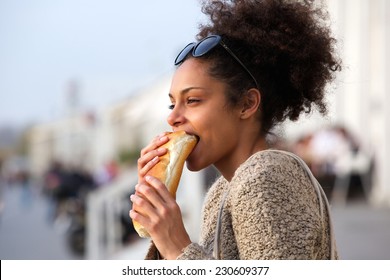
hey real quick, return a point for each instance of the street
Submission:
(362, 231)
(26, 231)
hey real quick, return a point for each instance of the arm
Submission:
(274, 213)
(204, 249)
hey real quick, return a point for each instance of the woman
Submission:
(256, 64)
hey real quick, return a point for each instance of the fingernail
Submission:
(148, 178)
(163, 138)
(131, 213)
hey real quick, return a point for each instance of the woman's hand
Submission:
(158, 212)
(150, 156)
(154, 207)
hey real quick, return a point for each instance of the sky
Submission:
(106, 49)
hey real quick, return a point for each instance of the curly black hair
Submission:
(287, 45)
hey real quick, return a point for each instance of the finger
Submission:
(153, 217)
(160, 188)
(144, 168)
(142, 220)
(153, 197)
(150, 155)
(146, 162)
(142, 206)
(157, 142)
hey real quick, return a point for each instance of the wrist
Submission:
(174, 254)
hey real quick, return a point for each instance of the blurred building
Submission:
(362, 101)
(360, 97)
(89, 140)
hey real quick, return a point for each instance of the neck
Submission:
(227, 168)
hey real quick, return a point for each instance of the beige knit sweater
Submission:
(271, 211)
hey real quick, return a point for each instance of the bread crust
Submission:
(170, 166)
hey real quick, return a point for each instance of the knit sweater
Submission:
(271, 211)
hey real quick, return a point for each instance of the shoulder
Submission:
(270, 173)
(266, 163)
(216, 190)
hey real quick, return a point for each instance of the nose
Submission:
(176, 118)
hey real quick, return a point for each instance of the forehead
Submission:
(193, 72)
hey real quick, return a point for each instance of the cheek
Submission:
(217, 129)
(210, 121)
(214, 127)
(216, 141)
(200, 126)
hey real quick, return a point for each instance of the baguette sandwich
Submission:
(170, 166)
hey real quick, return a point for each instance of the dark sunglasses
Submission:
(204, 46)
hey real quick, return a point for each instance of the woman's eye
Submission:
(190, 101)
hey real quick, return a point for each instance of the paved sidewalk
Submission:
(25, 229)
(362, 231)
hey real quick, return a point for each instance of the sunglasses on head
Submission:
(204, 46)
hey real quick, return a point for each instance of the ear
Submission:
(251, 102)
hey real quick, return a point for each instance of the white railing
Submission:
(105, 206)
(104, 209)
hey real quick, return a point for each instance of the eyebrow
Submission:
(186, 90)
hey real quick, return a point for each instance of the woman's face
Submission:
(199, 106)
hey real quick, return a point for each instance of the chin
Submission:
(192, 167)
(195, 165)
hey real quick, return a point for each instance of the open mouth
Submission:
(197, 138)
